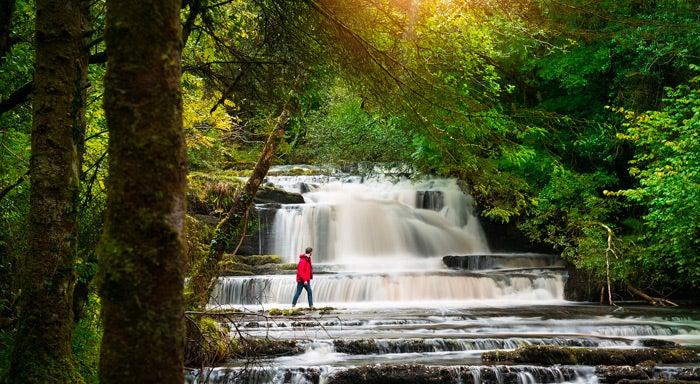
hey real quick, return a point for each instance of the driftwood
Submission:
(652, 300)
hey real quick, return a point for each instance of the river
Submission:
(384, 295)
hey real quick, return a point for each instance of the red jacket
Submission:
(304, 268)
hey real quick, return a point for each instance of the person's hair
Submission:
(309, 249)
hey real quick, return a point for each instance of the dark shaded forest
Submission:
(574, 122)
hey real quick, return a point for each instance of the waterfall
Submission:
(427, 288)
(385, 240)
(405, 285)
(353, 219)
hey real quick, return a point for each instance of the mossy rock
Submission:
(232, 268)
(299, 311)
(257, 260)
(297, 171)
(657, 381)
(395, 374)
(549, 355)
(645, 375)
(207, 342)
(212, 191)
(356, 347)
(264, 347)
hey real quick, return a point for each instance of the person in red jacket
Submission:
(305, 272)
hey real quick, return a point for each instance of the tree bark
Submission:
(232, 228)
(42, 352)
(142, 250)
(7, 8)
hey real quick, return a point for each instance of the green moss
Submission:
(207, 342)
(237, 265)
(298, 311)
(213, 192)
(294, 172)
(255, 260)
(275, 312)
(233, 268)
(87, 338)
(263, 347)
(356, 347)
(544, 354)
(199, 235)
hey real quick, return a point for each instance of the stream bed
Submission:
(453, 337)
(405, 281)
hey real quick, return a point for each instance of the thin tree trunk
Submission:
(608, 250)
(231, 229)
(42, 352)
(143, 247)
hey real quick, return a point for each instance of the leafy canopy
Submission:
(667, 167)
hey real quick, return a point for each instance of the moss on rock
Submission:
(547, 355)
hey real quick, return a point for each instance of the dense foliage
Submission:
(575, 120)
(667, 168)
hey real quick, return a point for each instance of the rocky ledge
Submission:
(544, 364)
(548, 354)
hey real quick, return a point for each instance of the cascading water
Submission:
(352, 218)
(381, 249)
(382, 238)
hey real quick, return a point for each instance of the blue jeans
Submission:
(308, 293)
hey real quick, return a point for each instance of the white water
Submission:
(424, 289)
(376, 222)
(378, 256)
(381, 240)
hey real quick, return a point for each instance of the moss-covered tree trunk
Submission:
(7, 8)
(42, 351)
(231, 228)
(142, 250)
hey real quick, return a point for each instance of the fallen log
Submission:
(652, 300)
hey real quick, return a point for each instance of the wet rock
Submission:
(500, 261)
(613, 374)
(656, 381)
(394, 374)
(647, 374)
(270, 195)
(411, 373)
(468, 262)
(688, 374)
(656, 343)
(364, 347)
(547, 355)
(356, 347)
(252, 349)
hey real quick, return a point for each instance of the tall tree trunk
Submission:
(232, 228)
(42, 352)
(142, 251)
(7, 8)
